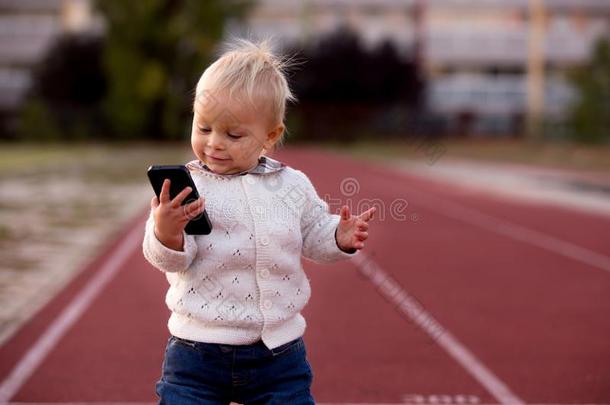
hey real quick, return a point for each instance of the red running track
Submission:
(520, 293)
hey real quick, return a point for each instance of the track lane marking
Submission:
(409, 306)
(28, 364)
(509, 229)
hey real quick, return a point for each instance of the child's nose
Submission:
(215, 140)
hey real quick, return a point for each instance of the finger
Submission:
(154, 202)
(199, 205)
(359, 245)
(363, 226)
(177, 201)
(362, 235)
(164, 194)
(345, 214)
(368, 214)
(192, 210)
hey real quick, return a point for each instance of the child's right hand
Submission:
(171, 216)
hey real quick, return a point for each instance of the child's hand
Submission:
(352, 230)
(171, 216)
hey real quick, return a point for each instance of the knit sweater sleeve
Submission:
(318, 227)
(164, 258)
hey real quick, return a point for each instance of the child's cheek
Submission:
(197, 146)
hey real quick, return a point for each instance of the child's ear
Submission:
(274, 136)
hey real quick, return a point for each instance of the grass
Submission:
(550, 154)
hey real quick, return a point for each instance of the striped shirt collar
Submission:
(265, 165)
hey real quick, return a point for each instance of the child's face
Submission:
(229, 137)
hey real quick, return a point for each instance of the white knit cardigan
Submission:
(244, 281)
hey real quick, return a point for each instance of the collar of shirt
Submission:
(265, 165)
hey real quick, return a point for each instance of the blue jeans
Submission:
(210, 373)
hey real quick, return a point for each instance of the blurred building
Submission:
(302, 21)
(476, 56)
(474, 53)
(28, 28)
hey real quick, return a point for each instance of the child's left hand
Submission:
(352, 230)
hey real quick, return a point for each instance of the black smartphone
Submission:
(180, 178)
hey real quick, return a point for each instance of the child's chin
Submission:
(220, 169)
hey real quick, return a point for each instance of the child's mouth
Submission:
(216, 159)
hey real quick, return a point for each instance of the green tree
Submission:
(68, 86)
(590, 115)
(155, 51)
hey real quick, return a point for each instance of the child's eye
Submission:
(205, 130)
(233, 136)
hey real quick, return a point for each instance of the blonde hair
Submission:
(250, 69)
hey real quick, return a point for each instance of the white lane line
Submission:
(523, 234)
(73, 311)
(511, 230)
(407, 304)
(441, 399)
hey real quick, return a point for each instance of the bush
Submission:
(590, 115)
(68, 87)
(345, 90)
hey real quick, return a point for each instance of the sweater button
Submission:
(264, 241)
(264, 273)
(250, 179)
(267, 304)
